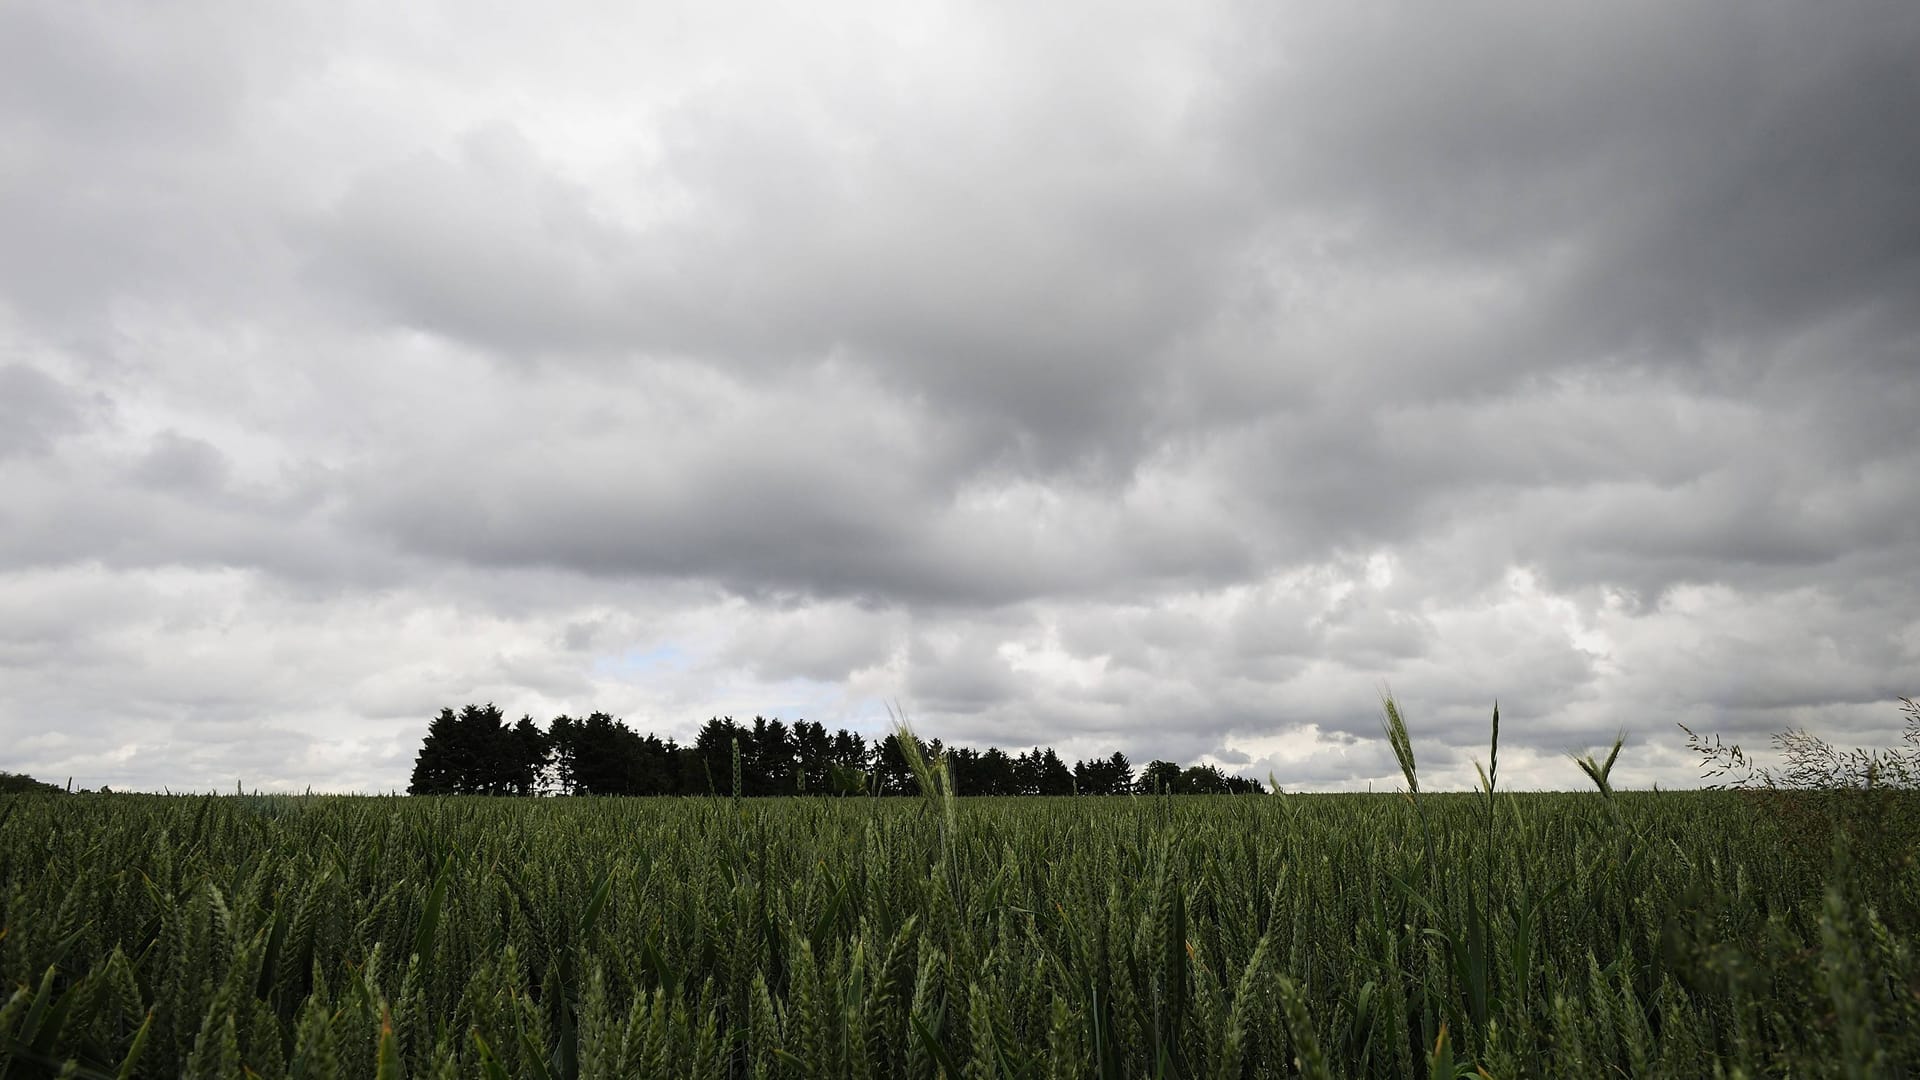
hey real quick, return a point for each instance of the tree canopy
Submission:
(21, 784)
(476, 752)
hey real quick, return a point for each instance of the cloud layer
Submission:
(1160, 377)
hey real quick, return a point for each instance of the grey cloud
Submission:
(1706, 169)
(579, 635)
(131, 171)
(77, 514)
(144, 76)
(821, 642)
(962, 671)
(182, 463)
(1171, 397)
(774, 489)
(102, 495)
(761, 261)
(35, 409)
(485, 245)
(1040, 305)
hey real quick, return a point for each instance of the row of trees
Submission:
(12, 783)
(477, 752)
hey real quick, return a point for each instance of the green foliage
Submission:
(1318, 935)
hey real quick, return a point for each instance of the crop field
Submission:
(1632, 934)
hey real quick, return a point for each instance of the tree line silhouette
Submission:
(477, 752)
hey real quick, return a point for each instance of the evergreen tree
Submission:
(657, 772)
(714, 747)
(469, 753)
(563, 746)
(530, 757)
(1209, 780)
(433, 767)
(1053, 775)
(1103, 776)
(813, 751)
(994, 774)
(475, 752)
(1026, 774)
(596, 766)
(769, 758)
(890, 769)
(849, 750)
(964, 763)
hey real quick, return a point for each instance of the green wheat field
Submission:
(1572, 934)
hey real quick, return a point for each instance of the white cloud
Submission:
(1155, 377)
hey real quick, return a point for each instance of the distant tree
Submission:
(768, 758)
(813, 754)
(1026, 773)
(714, 748)
(1053, 776)
(22, 784)
(963, 762)
(690, 771)
(1209, 780)
(474, 752)
(588, 754)
(1103, 776)
(890, 770)
(562, 747)
(849, 749)
(1157, 778)
(1200, 780)
(530, 756)
(603, 756)
(442, 760)
(993, 774)
(658, 771)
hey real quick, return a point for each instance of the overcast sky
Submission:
(1162, 377)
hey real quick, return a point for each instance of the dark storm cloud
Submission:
(1679, 172)
(1520, 194)
(952, 256)
(1169, 388)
